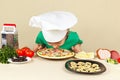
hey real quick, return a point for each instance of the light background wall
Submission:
(98, 25)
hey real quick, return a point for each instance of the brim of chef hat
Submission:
(56, 20)
(54, 35)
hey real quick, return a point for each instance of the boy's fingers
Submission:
(72, 47)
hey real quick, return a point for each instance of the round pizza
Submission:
(52, 53)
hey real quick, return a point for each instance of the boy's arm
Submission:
(37, 47)
(77, 48)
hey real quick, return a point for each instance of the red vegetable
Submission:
(118, 60)
(20, 52)
(25, 51)
(29, 53)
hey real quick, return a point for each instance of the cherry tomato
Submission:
(20, 52)
(118, 60)
(29, 53)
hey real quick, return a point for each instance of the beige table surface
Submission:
(44, 69)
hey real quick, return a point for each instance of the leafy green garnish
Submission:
(7, 52)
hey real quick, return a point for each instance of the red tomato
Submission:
(29, 53)
(20, 52)
(118, 60)
(24, 49)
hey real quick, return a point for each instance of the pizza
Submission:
(52, 53)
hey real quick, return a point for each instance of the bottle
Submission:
(9, 36)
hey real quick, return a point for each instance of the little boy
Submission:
(55, 31)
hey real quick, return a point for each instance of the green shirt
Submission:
(71, 40)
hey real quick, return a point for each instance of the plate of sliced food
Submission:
(19, 60)
(85, 66)
(85, 55)
(51, 53)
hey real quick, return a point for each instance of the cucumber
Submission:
(112, 61)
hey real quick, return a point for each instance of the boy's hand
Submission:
(37, 47)
(76, 48)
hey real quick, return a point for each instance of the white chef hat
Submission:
(54, 24)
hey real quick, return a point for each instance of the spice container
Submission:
(9, 36)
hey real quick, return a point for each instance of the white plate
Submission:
(28, 60)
